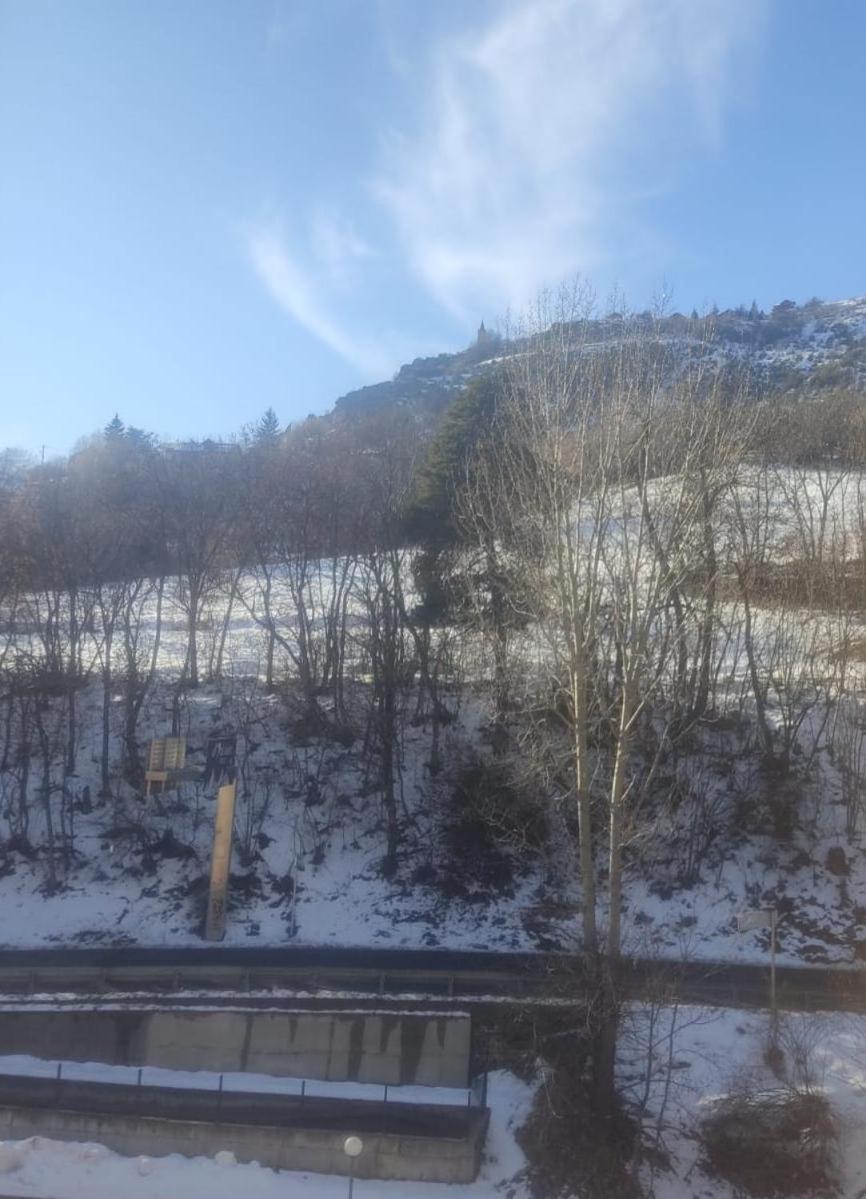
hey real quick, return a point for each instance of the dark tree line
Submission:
(298, 531)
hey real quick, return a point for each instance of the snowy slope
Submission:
(782, 348)
(309, 833)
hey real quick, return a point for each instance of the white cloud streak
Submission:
(539, 138)
(544, 131)
(339, 248)
(290, 287)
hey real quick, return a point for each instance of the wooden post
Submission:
(215, 925)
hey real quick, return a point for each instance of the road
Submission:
(446, 975)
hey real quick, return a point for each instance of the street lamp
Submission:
(352, 1147)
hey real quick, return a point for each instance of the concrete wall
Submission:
(394, 1048)
(386, 1155)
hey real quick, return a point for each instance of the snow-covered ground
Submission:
(317, 827)
(330, 850)
(715, 1052)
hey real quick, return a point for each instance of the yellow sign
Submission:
(215, 925)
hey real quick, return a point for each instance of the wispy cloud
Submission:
(292, 288)
(526, 151)
(545, 128)
(340, 250)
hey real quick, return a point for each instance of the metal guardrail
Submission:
(236, 1106)
(476, 1092)
(436, 979)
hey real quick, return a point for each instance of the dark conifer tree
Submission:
(267, 430)
(115, 429)
(465, 423)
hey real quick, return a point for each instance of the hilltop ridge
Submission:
(817, 344)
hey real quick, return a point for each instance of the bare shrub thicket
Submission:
(779, 1139)
(608, 523)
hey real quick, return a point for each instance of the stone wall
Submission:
(395, 1048)
(386, 1155)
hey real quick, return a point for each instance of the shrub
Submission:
(493, 828)
(772, 1143)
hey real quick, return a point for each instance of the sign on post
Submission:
(165, 757)
(756, 918)
(215, 924)
(763, 918)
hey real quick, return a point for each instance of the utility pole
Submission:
(774, 917)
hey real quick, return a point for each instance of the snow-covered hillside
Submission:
(309, 827)
(819, 342)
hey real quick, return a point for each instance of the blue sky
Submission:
(210, 208)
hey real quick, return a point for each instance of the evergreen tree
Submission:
(139, 439)
(114, 430)
(430, 517)
(267, 430)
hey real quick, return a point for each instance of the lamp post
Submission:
(352, 1147)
